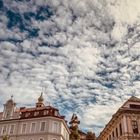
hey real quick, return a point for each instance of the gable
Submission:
(132, 102)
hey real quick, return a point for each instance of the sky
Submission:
(84, 55)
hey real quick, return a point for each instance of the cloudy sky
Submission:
(83, 54)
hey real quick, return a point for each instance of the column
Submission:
(124, 124)
(129, 124)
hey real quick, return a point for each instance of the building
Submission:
(38, 123)
(76, 133)
(125, 123)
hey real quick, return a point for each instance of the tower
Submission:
(40, 101)
(74, 120)
(74, 128)
(9, 108)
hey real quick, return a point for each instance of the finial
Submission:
(12, 96)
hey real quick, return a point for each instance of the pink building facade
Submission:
(125, 123)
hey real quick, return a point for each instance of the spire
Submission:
(40, 101)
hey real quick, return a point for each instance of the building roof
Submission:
(34, 112)
(26, 113)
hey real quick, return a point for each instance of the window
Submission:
(109, 137)
(56, 113)
(4, 129)
(135, 127)
(116, 132)
(55, 127)
(41, 139)
(8, 114)
(64, 133)
(42, 127)
(12, 129)
(135, 106)
(113, 134)
(32, 129)
(23, 128)
(120, 127)
(27, 114)
(36, 113)
(45, 112)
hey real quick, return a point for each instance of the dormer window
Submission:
(36, 113)
(134, 106)
(45, 112)
(56, 113)
(27, 114)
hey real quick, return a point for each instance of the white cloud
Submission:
(86, 56)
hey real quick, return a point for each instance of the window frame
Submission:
(13, 129)
(135, 127)
(3, 129)
(120, 129)
(41, 126)
(116, 131)
(55, 130)
(34, 127)
(22, 128)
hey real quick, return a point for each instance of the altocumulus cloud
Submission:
(85, 55)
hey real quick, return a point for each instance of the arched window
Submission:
(41, 138)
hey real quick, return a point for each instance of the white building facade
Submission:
(38, 123)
